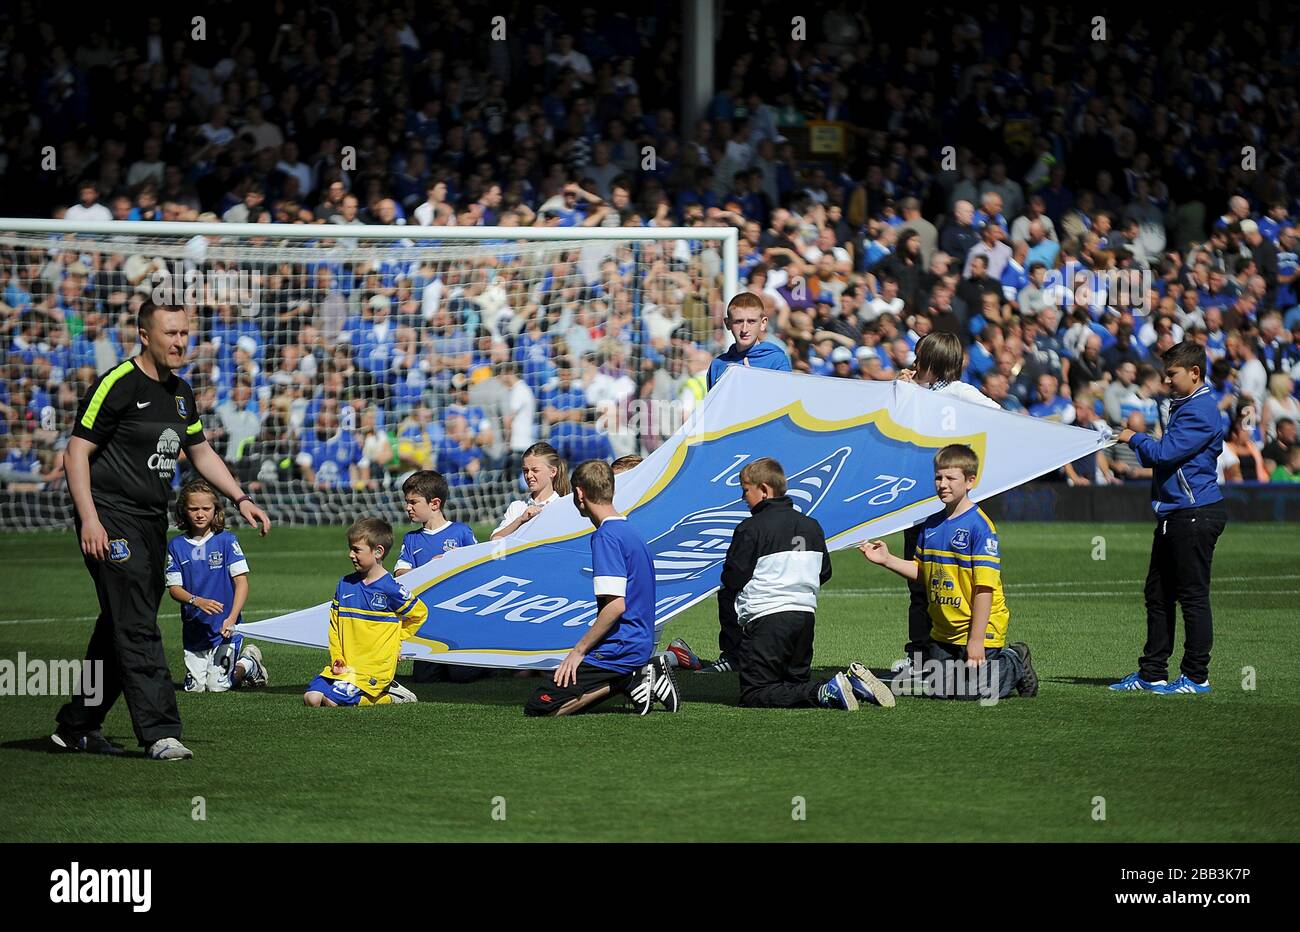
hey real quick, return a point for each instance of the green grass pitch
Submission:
(1215, 768)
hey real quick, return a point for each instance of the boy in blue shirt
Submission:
(426, 492)
(370, 617)
(747, 321)
(208, 575)
(1190, 516)
(615, 653)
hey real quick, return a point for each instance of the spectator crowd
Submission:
(1069, 208)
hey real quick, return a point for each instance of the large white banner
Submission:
(858, 457)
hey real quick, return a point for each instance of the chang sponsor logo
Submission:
(163, 462)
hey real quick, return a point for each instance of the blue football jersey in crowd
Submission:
(331, 458)
(422, 545)
(205, 567)
(621, 566)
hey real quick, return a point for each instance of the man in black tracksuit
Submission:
(131, 428)
(775, 566)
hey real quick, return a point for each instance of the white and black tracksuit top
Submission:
(776, 563)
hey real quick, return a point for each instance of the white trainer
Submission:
(400, 693)
(169, 749)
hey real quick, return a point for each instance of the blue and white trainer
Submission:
(837, 693)
(867, 687)
(1134, 683)
(1183, 685)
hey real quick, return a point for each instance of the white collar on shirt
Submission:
(200, 540)
(437, 530)
(613, 518)
(546, 501)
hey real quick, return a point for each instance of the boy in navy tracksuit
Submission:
(1190, 516)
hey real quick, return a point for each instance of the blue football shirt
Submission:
(621, 566)
(422, 545)
(206, 567)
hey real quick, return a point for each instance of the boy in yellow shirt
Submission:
(958, 563)
(371, 615)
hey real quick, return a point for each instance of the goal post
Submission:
(331, 360)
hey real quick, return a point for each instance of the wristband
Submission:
(193, 599)
(243, 498)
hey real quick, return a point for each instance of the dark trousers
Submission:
(126, 638)
(1182, 550)
(918, 612)
(946, 676)
(776, 662)
(424, 671)
(729, 636)
(548, 698)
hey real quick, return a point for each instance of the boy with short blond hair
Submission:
(370, 617)
(959, 565)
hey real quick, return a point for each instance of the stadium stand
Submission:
(1069, 208)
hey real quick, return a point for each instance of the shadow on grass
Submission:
(46, 746)
(1081, 680)
(505, 689)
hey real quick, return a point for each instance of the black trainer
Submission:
(641, 692)
(1027, 687)
(89, 742)
(665, 684)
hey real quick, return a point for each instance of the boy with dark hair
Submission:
(426, 493)
(614, 654)
(958, 564)
(1190, 516)
(370, 617)
(774, 568)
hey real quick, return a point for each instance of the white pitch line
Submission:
(268, 612)
(858, 593)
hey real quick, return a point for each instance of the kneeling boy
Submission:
(958, 564)
(775, 566)
(614, 655)
(372, 613)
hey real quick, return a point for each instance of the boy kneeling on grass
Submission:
(958, 563)
(372, 613)
(776, 565)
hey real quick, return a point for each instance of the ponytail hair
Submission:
(553, 459)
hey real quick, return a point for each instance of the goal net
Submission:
(329, 363)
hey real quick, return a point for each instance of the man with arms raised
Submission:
(120, 461)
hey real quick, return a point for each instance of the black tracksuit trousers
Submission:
(1182, 550)
(126, 638)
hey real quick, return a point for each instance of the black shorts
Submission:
(549, 697)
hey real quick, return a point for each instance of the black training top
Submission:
(139, 425)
